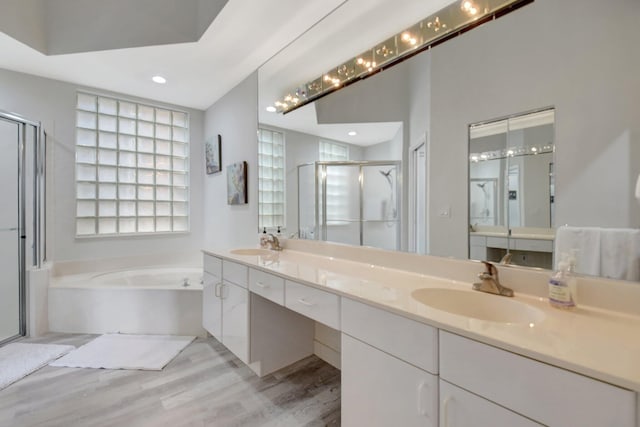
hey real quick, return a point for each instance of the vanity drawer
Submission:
(212, 265)
(406, 339)
(534, 245)
(235, 273)
(267, 285)
(544, 393)
(500, 242)
(316, 304)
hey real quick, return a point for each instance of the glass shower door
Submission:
(10, 239)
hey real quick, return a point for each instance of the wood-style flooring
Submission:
(205, 385)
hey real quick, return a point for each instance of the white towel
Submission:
(620, 253)
(585, 242)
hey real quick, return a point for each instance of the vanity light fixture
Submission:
(511, 152)
(450, 21)
(159, 79)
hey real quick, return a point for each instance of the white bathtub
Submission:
(151, 300)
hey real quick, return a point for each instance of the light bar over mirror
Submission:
(450, 21)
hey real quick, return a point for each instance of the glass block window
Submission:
(132, 167)
(271, 179)
(338, 202)
(332, 152)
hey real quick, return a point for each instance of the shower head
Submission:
(481, 185)
(387, 175)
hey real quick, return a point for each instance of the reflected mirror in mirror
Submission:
(510, 189)
(509, 65)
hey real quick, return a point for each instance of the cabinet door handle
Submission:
(422, 396)
(305, 302)
(261, 285)
(445, 411)
(216, 290)
(222, 287)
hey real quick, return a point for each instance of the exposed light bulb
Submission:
(406, 37)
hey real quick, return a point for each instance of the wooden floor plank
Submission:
(205, 385)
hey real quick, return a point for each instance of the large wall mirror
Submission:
(559, 73)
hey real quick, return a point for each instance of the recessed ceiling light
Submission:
(352, 133)
(271, 109)
(159, 79)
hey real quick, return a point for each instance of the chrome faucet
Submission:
(273, 242)
(490, 283)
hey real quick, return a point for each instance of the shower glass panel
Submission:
(342, 213)
(10, 242)
(352, 202)
(379, 206)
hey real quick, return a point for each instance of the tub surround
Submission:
(599, 340)
(143, 295)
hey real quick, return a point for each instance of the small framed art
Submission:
(237, 183)
(213, 155)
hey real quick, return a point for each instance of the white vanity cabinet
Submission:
(225, 304)
(459, 408)
(211, 301)
(535, 390)
(389, 369)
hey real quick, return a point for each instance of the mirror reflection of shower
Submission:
(485, 211)
(352, 202)
(389, 209)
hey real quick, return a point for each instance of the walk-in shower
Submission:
(21, 218)
(354, 202)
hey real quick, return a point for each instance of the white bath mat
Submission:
(18, 360)
(121, 351)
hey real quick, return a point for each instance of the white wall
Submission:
(581, 58)
(235, 117)
(53, 102)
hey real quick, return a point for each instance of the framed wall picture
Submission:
(237, 183)
(213, 155)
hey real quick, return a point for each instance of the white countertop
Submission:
(599, 343)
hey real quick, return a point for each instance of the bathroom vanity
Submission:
(419, 347)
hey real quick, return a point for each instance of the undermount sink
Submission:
(252, 251)
(478, 305)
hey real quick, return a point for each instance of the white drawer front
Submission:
(212, 265)
(500, 242)
(411, 341)
(235, 273)
(316, 304)
(534, 245)
(477, 241)
(267, 285)
(459, 408)
(549, 395)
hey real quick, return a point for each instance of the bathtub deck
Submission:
(205, 385)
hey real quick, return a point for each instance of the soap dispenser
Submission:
(563, 285)
(263, 238)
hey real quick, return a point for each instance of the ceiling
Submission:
(243, 35)
(198, 73)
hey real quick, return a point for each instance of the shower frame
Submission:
(36, 211)
(320, 230)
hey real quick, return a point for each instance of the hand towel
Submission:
(585, 242)
(620, 253)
